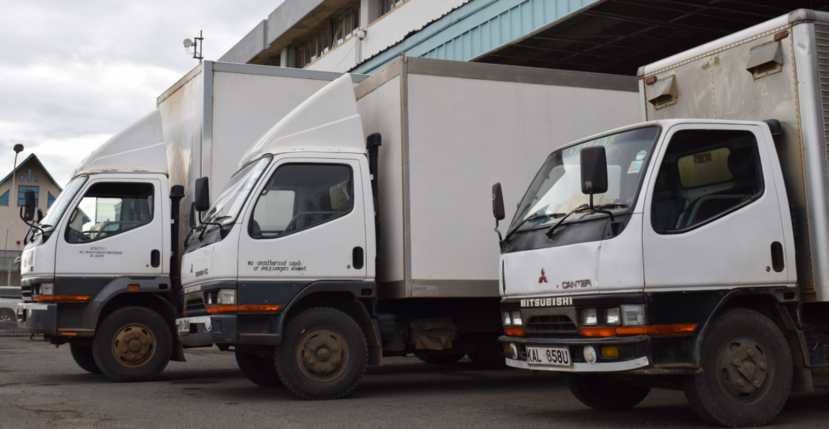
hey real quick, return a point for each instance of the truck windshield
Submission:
(556, 189)
(230, 201)
(60, 204)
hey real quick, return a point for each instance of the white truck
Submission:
(690, 251)
(100, 270)
(327, 251)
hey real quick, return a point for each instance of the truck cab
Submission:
(96, 269)
(285, 255)
(652, 254)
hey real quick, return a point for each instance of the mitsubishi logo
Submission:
(543, 278)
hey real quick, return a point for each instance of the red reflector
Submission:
(132, 288)
(650, 80)
(514, 332)
(781, 35)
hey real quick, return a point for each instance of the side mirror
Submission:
(39, 215)
(193, 215)
(498, 202)
(593, 171)
(202, 195)
(28, 211)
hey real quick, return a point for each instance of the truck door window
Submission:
(301, 196)
(704, 175)
(109, 209)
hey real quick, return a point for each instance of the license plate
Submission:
(554, 356)
(183, 325)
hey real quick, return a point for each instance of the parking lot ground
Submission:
(41, 387)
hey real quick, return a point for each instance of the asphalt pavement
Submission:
(42, 387)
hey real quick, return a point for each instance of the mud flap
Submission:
(178, 353)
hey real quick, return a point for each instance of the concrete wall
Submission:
(250, 45)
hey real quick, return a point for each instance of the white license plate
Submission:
(183, 325)
(554, 356)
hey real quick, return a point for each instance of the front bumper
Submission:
(633, 353)
(36, 318)
(200, 331)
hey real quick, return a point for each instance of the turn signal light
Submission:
(781, 35)
(514, 332)
(256, 308)
(213, 309)
(650, 81)
(639, 330)
(60, 298)
(132, 288)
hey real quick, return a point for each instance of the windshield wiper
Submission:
(596, 209)
(532, 218)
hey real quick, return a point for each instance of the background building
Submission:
(30, 174)
(604, 36)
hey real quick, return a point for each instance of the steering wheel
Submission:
(76, 236)
(292, 224)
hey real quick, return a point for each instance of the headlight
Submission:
(611, 316)
(633, 315)
(588, 316)
(516, 318)
(227, 297)
(506, 319)
(47, 289)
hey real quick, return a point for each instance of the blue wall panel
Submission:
(476, 28)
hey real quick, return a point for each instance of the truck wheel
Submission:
(132, 344)
(605, 393)
(430, 356)
(323, 354)
(746, 371)
(490, 355)
(83, 357)
(260, 370)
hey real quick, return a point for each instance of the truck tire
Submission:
(260, 370)
(83, 357)
(430, 356)
(746, 371)
(490, 355)
(605, 393)
(132, 344)
(323, 354)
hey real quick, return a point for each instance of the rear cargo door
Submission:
(712, 218)
(306, 222)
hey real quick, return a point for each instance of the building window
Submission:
(22, 179)
(388, 5)
(35, 179)
(21, 194)
(30, 175)
(50, 199)
(4, 199)
(329, 37)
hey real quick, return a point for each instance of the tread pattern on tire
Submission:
(253, 367)
(323, 310)
(590, 390)
(83, 357)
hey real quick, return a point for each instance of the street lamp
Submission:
(17, 149)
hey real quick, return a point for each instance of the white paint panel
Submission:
(467, 134)
(560, 264)
(213, 262)
(380, 113)
(621, 267)
(246, 106)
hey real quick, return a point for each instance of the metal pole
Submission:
(11, 218)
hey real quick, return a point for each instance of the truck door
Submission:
(712, 218)
(114, 230)
(306, 222)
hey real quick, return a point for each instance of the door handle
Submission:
(155, 258)
(357, 258)
(777, 260)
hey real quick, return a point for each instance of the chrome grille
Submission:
(560, 325)
(26, 293)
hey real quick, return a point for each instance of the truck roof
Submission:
(326, 122)
(769, 26)
(139, 147)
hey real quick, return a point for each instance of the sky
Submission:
(74, 73)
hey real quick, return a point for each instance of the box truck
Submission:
(690, 251)
(354, 229)
(100, 270)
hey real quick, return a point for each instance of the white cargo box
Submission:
(450, 130)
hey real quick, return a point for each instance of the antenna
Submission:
(197, 47)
